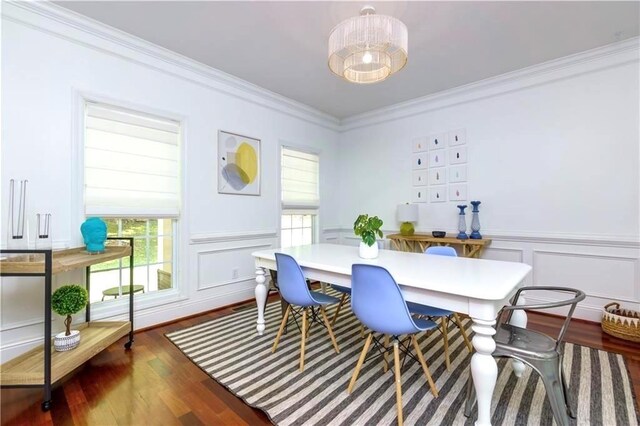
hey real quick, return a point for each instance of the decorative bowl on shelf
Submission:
(439, 234)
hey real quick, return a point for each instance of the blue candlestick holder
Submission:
(475, 221)
(462, 224)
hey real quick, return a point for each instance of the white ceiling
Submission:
(282, 46)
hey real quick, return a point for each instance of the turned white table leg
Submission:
(261, 298)
(519, 319)
(484, 368)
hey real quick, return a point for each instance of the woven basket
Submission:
(622, 323)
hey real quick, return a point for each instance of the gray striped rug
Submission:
(229, 350)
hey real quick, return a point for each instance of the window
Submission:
(152, 259)
(300, 197)
(132, 181)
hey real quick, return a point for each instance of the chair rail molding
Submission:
(622, 241)
(232, 236)
(55, 20)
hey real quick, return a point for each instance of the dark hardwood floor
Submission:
(155, 384)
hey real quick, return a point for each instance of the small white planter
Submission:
(368, 252)
(65, 343)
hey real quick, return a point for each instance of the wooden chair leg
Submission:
(361, 330)
(458, 321)
(363, 355)
(385, 367)
(283, 324)
(326, 322)
(335, 316)
(398, 376)
(425, 368)
(444, 322)
(309, 325)
(303, 337)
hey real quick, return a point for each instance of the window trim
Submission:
(300, 209)
(120, 306)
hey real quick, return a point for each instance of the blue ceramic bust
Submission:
(94, 232)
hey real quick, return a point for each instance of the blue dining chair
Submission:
(294, 290)
(443, 314)
(376, 300)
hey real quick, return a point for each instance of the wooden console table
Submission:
(420, 242)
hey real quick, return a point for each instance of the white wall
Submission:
(49, 66)
(553, 154)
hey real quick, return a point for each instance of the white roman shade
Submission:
(300, 177)
(131, 163)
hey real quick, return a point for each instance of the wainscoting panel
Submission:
(227, 265)
(505, 254)
(598, 275)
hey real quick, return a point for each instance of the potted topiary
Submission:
(368, 228)
(68, 300)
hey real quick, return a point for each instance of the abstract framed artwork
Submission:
(458, 192)
(239, 167)
(419, 195)
(420, 177)
(437, 141)
(457, 137)
(419, 161)
(458, 173)
(419, 144)
(438, 194)
(438, 176)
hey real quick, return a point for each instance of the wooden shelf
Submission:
(63, 260)
(28, 368)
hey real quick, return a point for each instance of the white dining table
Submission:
(476, 287)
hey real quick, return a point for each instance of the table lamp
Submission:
(407, 213)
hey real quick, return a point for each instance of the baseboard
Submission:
(12, 350)
(149, 318)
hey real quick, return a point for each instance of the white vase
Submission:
(368, 252)
(65, 343)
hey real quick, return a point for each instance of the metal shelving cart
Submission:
(42, 367)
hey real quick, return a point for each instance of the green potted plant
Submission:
(368, 228)
(66, 301)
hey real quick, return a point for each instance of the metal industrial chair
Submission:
(541, 352)
(378, 303)
(443, 314)
(293, 288)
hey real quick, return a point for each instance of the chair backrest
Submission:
(441, 251)
(578, 296)
(291, 281)
(376, 300)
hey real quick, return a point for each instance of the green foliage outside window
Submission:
(136, 228)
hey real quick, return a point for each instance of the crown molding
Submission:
(608, 56)
(74, 27)
(82, 30)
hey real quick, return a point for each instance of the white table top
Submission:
(473, 278)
